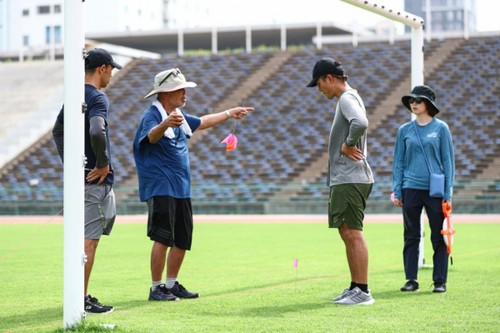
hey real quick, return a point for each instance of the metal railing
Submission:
(470, 198)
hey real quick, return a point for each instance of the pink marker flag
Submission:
(231, 142)
(296, 263)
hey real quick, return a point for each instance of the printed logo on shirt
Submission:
(432, 135)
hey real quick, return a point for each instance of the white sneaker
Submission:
(342, 295)
(357, 297)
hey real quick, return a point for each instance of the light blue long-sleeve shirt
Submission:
(410, 168)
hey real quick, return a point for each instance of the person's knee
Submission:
(353, 235)
(160, 246)
(348, 233)
(91, 245)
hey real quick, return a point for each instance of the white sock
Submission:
(155, 284)
(170, 282)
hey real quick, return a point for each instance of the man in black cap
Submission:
(100, 207)
(349, 176)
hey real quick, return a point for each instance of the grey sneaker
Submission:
(342, 295)
(357, 297)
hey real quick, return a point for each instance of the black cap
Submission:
(424, 92)
(326, 66)
(98, 57)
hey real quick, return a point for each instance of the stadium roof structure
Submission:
(174, 40)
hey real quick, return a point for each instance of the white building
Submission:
(123, 15)
(445, 15)
(36, 27)
(31, 24)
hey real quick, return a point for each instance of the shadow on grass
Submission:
(46, 316)
(397, 294)
(238, 292)
(266, 286)
(282, 310)
(50, 319)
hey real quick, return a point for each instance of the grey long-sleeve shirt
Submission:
(349, 126)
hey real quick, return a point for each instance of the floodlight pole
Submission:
(417, 62)
(74, 155)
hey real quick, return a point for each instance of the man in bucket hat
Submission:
(422, 144)
(349, 175)
(100, 207)
(162, 161)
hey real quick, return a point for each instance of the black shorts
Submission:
(170, 221)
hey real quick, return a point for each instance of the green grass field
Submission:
(247, 282)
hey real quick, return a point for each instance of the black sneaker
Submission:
(439, 287)
(92, 305)
(181, 292)
(161, 293)
(410, 285)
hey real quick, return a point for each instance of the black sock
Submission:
(363, 287)
(353, 285)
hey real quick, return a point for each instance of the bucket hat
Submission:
(169, 80)
(422, 91)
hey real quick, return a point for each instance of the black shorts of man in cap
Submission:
(100, 209)
(162, 159)
(349, 176)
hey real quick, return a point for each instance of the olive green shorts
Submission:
(347, 204)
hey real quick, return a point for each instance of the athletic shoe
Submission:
(181, 292)
(92, 305)
(342, 295)
(161, 293)
(357, 297)
(439, 287)
(410, 285)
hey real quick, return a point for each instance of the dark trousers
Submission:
(413, 202)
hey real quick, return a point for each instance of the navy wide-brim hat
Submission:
(424, 92)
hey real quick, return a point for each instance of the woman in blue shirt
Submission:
(411, 179)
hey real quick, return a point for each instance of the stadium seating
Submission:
(30, 98)
(288, 132)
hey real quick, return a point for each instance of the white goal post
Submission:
(74, 97)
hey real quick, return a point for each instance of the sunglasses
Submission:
(417, 100)
(175, 73)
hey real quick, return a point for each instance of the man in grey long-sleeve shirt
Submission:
(100, 207)
(349, 176)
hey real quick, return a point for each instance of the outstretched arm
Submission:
(214, 119)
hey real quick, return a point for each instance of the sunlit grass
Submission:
(247, 282)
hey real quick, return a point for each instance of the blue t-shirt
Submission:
(410, 168)
(163, 168)
(97, 106)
